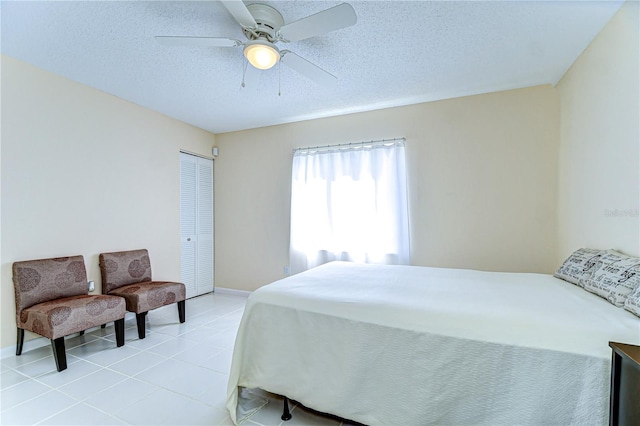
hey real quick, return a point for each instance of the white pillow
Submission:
(632, 304)
(614, 277)
(579, 266)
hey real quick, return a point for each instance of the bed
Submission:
(407, 345)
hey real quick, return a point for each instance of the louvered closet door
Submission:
(204, 250)
(196, 224)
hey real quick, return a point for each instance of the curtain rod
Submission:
(350, 144)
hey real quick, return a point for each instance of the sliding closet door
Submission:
(196, 224)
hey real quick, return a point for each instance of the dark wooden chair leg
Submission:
(119, 325)
(59, 353)
(141, 319)
(20, 341)
(181, 310)
(286, 415)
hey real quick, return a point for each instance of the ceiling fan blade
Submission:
(335, 18)
(307, 69)
(240, 12)
(197, 41)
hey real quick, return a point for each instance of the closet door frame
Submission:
(194, 269)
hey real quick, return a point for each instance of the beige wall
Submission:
(599, 162)
(85, 172)
(482, 176)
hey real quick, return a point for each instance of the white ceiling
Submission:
(398, 53)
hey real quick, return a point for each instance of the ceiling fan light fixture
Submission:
(261, 54)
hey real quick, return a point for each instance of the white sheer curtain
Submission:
(349, 204)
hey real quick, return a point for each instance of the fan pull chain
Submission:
(279, 73)
(244, 71)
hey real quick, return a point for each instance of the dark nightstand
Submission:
(625, 385)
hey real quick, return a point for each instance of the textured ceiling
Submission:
(398, 53)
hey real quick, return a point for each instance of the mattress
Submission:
(408, 345)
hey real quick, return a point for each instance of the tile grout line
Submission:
(231, 319)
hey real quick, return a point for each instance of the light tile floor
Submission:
(177, 375)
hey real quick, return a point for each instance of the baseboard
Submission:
(232, 291)
(27, 346)
(43, 341)
(38, 341)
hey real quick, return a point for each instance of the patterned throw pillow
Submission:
(615, 276)
(632, 304)
(579, 266)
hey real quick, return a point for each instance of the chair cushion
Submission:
(142, 297)
(37, 281)
(123, 268)
(61, 317)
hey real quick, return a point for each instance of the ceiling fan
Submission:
(264, 26)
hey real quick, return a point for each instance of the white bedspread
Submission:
(403, 345)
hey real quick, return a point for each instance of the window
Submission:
(349, 203)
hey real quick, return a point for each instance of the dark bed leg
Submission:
(286, 415)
